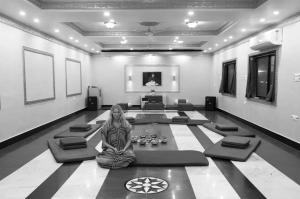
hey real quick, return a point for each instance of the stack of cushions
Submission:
(72, 143)
(180, 119)
(233, 148)
(223, 127)
(80, 127)
(235, 142)
(131, 120)
(226, 130)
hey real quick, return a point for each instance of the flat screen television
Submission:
(151, 78)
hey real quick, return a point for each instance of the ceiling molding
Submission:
(152, 46)
(11, 22)
(146, 4)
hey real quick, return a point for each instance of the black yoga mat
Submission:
(230, 153)
(68, 133)
(170, 158)
(239, 132)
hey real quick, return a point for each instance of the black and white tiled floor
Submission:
(28, 169)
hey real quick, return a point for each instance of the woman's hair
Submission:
(122, 119)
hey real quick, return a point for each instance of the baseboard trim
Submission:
(276, 136)
(21, 136)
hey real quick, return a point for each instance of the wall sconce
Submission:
(129, 77)
(174, 78)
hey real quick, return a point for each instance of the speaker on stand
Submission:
(210, 103)
(92, 103)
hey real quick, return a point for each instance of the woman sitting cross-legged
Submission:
(116, 141)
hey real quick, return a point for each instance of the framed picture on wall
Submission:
(151, 78)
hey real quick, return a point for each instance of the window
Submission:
(228, 82)
(261, 76)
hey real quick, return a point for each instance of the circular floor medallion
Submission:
(146, 185)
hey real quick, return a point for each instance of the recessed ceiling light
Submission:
(36, 20)
(124, 38)
(76, 40)
(180, 41)
(205, 51)
(123, 42)
(97, 51)
(230, 37)
(85, 45)
(243, 30)
(170, 48)
(216, 44)
(262, 20)
(186, 20)
(209, 48)
(275, 12)
(225, 40)
(56, 30)
(176, 38)
(110, 24)
(71, 38)
(192, 24)
(190, 13)
(131, 48)
(106, 13)
(92, 49)
(22, 13)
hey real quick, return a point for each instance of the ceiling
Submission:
(81, 23)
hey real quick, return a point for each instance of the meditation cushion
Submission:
(236, 142)
(223, 127)
(80, 127)
(68, 141)
(180, 119)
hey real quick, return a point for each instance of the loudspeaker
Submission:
(210, 103)
(92, 103)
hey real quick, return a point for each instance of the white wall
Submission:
(108, 74)
(274, 117)
(15, 117)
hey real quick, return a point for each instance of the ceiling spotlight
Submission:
(205, 51)
(243, 30)
(76, 40)
(71, 38)
(110, 24)
(170, 48)
(22, 13)
(230, 37)
(180, 41)
(216, 45)
(225, 40)
(36, 20)
(124, 38)
(186, 20)
(92, 49)
(190, 13)
(131, 48)
(275, 12)
(262, 20)
(106, 14)
(209, 48)
(192, 24)
(97, 51)
(56, 30)
(123, 42)
(85, 45)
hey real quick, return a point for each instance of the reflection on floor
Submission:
(29, 170)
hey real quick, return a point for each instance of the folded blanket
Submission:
(223, 127)
(69, 141)
(236, 142)
(80, 127)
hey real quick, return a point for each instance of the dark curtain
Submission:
(232, 81)
(271, 93)
(251, 80)
(224, 74)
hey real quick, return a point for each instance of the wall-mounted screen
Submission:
(151, 78)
